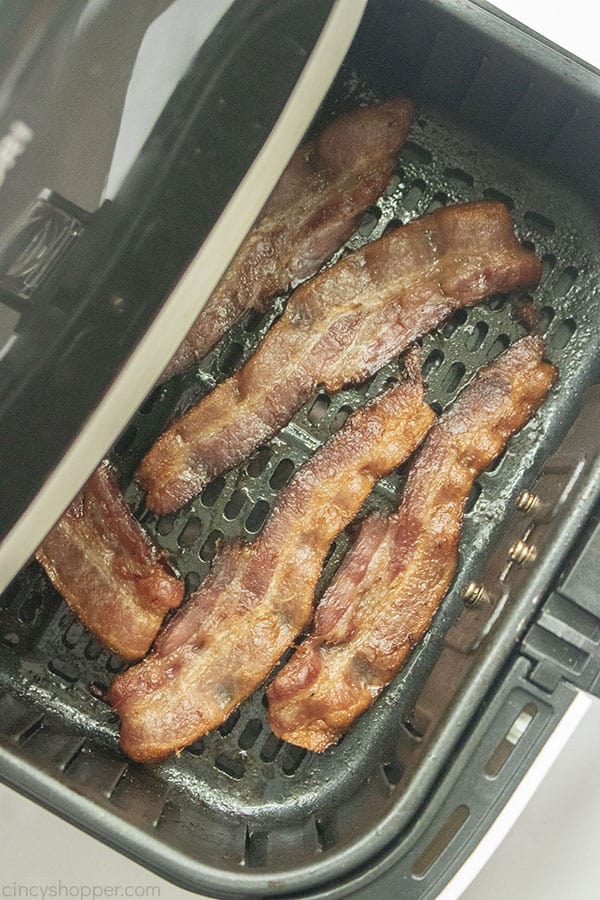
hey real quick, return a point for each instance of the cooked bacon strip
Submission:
(338, 328)
(314, 208)
(107, 569)
(259, 596)
(394, 578)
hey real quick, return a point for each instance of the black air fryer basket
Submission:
(395, 808)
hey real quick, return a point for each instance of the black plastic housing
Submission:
(398, 805)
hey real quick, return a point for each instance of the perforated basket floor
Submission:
(240, 799)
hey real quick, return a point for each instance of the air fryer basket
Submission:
(404, 794)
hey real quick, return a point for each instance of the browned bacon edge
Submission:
(105, 566)
(338, 328)
(313, 209)
(392, 581)
(258, 597)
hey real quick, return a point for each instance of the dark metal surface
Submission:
(241, 813)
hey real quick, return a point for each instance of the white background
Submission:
(552, 850)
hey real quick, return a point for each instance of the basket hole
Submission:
(192, 582)
(459, 178)
(93, 649)
(499, 197)
(453, 377)
(258, 514)
(442, 839)
(566, 281)
(151, 401)
(392, 225)
(229, 723)
(413, 731)
(473, 497)
(563, 334)
(292, 760)
(475, 339)
(126, 441)
(539, 223)
(98, 690)
(31, 729)
(255, 852)
(115, 663)
(438, 200)
(340, 417)
(392, 185)
(318, 410)
(413, 196)
(545, 317)
(190, 533)
(369, 220)
(282, 474)
(548, 263)
(253, 321)
(233, 767)
(165, 524)
(258, 463)
(459, 318)
(416, 154)
(209, 548)
(499, 346)
(393, 773)
(504, 750)
(497, 461)
(497, 303)
(64, 670)
(231, 359)
(250, 734)
(28, 611)
(212, 492)
(197, 748)
(326, 835)
(234, 505)
(270, 748)
(433, 361)
(73, 634)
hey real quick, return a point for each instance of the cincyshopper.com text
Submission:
(71, 891)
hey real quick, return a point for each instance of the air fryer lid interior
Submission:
(240, 813)
(113, 239)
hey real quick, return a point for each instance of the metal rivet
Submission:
(475, 594)
(527, 501)
(522, 552)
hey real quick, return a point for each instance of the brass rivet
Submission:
(527, 501)
(475, 594)
(522, 552)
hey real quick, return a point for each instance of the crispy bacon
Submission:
(392, 581)
(314, 208)
(107, 569)
(259, 596)
(338, 328)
